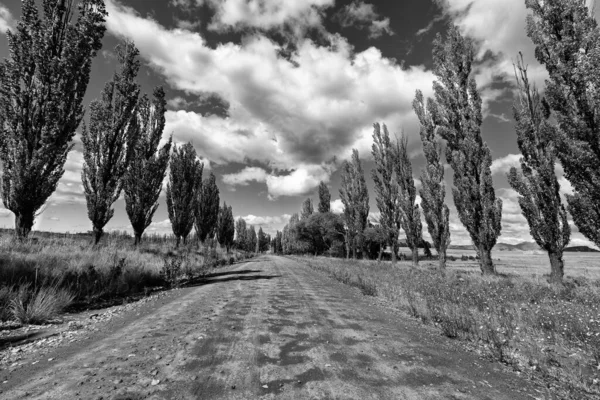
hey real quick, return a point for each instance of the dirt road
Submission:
(269, 328)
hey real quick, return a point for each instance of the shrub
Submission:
(367, 286)
(453, 319)
(171, 271)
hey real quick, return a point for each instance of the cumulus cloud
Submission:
(337, 207)
(7, 21)
(302, 110)
(269, 224)
(160, 228)
(186, 4)
(245, 176)
(503, 164)
(301, 181)
(267, 14)
(363, 16)
(565, 186)
(70, 189)
(187, 24)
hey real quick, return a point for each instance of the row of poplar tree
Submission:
(562, 125)
(42, 86)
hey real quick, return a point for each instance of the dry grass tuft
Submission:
(30, 306)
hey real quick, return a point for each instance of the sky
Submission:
(275, 94)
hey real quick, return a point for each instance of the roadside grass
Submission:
(39, 279)
(540, 330)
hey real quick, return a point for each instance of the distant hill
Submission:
(581, 249)
(523, 246)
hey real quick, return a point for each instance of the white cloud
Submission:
(374, 217)
(290, 114)
(301, 181)
(267, 14)
(269, 224)
(565, 186)
(363, 15)
(337, 207)
(70, 189)
(503, 164)
(178, 102)
(7, 21)
(245, 176)
(163, 227)
(380, 27)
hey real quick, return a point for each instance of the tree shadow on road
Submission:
(228, 277)
(245, 271)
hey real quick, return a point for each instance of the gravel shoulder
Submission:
(268, 328)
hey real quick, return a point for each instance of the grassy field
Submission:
(529, 263)
(546, 332)
(43, 277)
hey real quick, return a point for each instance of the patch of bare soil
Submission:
(269, 328)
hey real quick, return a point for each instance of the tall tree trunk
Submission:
(394, 254)
(177, 241)
(442, 260)
(23, 225)
(138, 239)
(98, 232)
(485, 261)
(347, 247)
(415, 256)
(380, 253)
(557, 267)
(185, 240)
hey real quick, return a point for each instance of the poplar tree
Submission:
(536, 182)
(278, 243)
(240, 233)
(251, 239)
(42, 85)
(292, 242)
(226, 227)
(458, 118)
(433, 189)
(410, 215)
(263, 241)
(109, 140)
(386, 187)
(285, 239)
(324, 198)
(185, 180)
(207, 208)
(307, 209)
(567, 40)
(355, 197)
(144, 178)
